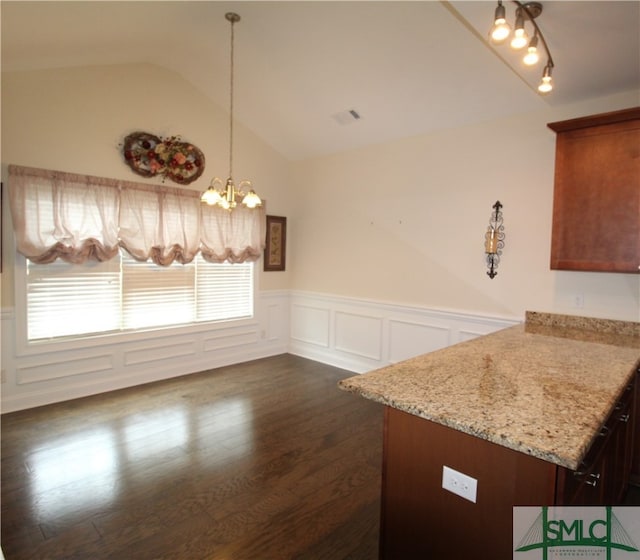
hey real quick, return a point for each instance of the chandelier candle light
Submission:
(501, 31)
(216, 194)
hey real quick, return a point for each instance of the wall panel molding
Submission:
(310, 324)
(410, 338)
(368, 334)
(52, 373)
(358, 334)
(67, 368)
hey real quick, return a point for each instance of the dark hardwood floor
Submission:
(265, 460)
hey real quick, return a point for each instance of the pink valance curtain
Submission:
(79, 217)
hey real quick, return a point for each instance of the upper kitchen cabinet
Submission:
(596, 204)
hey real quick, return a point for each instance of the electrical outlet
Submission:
(578, 300)
(460, 484)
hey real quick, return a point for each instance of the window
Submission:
(78, 233)
(123, 294)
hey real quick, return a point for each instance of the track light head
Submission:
(532, 57)
(546, 84)
(500, 30)
(520, 37)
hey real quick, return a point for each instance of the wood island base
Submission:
(421, 520)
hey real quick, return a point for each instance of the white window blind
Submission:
(227, 293)
(69, 299)
(124, 294)
(154, 296)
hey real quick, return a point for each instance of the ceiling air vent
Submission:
(346, 117)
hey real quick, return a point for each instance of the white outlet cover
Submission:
(460, 484)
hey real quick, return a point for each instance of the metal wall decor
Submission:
(494, 240)
(149, 155)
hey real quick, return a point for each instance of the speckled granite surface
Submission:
(543, 388)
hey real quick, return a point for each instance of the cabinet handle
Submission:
(624, 417)
(585, 470)
(595, 478)
(604, 431)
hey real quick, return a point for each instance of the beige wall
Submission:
(404, 222)
(401, 222)
(74, 120)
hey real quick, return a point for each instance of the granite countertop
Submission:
(543, 388)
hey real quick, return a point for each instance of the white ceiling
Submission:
(406, 67)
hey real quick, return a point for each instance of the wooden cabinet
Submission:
(604, 474)
(635, 436)
(421, 520)
(596, 205)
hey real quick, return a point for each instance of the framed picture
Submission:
(275, 251)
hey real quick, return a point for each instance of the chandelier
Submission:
(501, 31)
(221, 193)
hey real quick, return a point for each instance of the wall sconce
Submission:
(494, 240)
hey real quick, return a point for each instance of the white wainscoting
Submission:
(38, 374)
(357, 335)
(361, 335)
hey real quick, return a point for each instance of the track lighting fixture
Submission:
(500, 32)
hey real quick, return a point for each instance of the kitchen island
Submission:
(521, 412)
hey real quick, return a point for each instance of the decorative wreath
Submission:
(149, 155)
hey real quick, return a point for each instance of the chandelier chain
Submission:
(232, 20)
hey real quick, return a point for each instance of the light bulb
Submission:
(545, 85)
(211, 196)
(500, 30)
(532, 57)
(520, 38)
(251, 200)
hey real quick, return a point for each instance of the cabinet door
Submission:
(596, 212)
(619, 465)
(603, 476)
(585, 487)
(634, 433)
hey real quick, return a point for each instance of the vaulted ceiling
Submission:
(406, 68)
